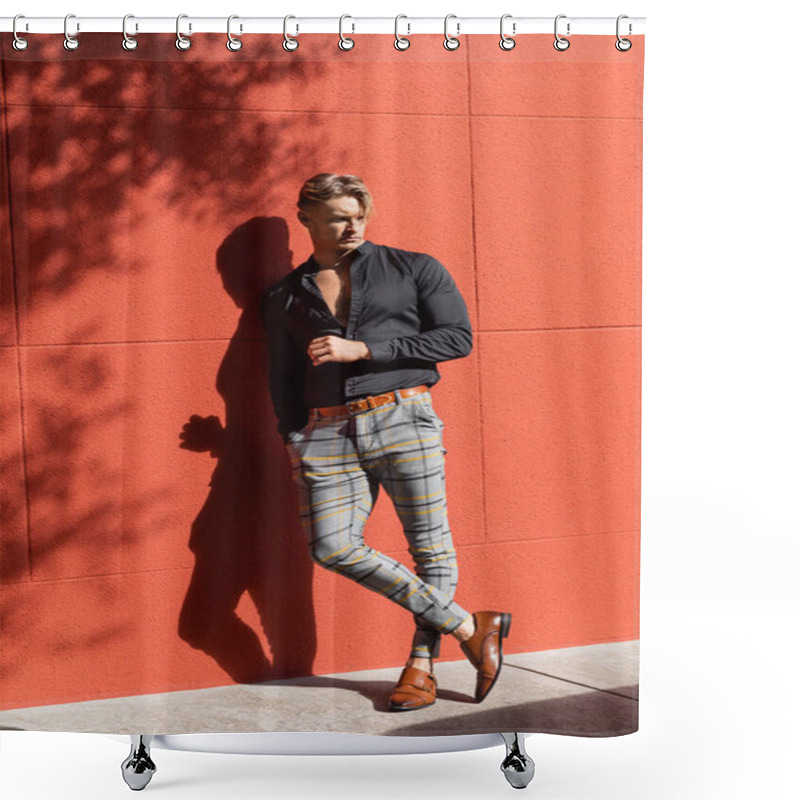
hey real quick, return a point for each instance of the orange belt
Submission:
(373, 401)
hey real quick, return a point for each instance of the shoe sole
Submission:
(505, 626)
(410, 708)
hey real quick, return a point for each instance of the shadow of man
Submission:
(247, 536)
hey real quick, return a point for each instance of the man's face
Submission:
(337, 224)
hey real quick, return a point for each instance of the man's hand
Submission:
(202, 434)
(334, 348)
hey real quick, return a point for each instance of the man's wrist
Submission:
(367, 353)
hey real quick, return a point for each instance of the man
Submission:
(355, 333)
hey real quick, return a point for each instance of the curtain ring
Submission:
(289, 42)
(400, 42)
(182, 43)
(70, 42)
(128, 42)
(506, 42)
(19, 43)
(623, 45)
(233, 44)
(345, 43)
(560, 42)
(450, 42)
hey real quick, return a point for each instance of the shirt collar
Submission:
(310, 266)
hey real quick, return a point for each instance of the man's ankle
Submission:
(466, 629)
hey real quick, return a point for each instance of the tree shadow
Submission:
(87, 131)
(96, 154)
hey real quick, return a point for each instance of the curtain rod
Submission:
(407, 25)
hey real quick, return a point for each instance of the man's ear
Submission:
(303, 218)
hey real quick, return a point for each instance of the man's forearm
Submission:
(443, 344)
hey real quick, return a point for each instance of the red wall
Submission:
(121, 178)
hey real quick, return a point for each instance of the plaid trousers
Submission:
(339, 464)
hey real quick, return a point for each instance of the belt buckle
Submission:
(349, 403)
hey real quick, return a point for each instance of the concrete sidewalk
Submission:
(585, 691)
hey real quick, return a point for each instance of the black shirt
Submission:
(404, 306)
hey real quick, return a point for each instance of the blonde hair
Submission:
(327, 185)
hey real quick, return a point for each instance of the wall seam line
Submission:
(475, 285)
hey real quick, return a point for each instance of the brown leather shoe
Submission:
(484, 648)
(416, 688)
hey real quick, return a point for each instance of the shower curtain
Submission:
(188, 545)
